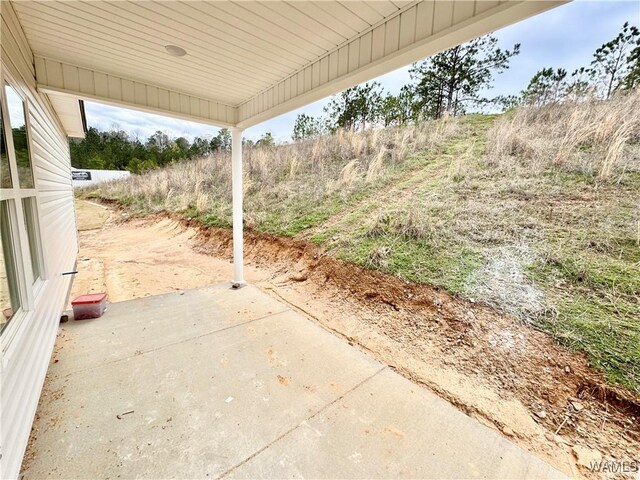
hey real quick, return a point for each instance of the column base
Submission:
(237, 285)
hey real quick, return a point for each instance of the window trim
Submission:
(28, 288)
(34, 215)
(19, 316)
(44, 264)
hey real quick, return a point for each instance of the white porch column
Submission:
(236, 182)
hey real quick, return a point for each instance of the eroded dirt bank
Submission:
(507, 375)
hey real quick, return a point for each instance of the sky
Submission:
(564, 37)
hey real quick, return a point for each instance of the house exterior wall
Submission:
(27, 348)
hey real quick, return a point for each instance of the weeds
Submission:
(296, 186)
(591, 137)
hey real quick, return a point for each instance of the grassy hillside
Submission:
(536, 212)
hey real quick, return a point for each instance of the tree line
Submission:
(452, 82)
(115, 150)
(615, 67)
(449, 83)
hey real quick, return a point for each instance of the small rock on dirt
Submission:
(577, 406)
(541, 414)
(507, 431)
(585, 456)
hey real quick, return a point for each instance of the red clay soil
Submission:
(508, 375)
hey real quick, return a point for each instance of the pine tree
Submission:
(306, 127)
(632, 79)
(266, 141)
(451, 81)
(355, 108)
(546, 86)
(399, 109)
(615, 64)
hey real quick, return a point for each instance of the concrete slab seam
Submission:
(151, 350)
(310, 417)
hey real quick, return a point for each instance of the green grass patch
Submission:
(292, 218)
(214, 220)
(449, 267)
(605, 328)
(595, 291)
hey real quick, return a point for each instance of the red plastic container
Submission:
(92, 305)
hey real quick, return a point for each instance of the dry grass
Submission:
(517, 214)
(595, 138)
(570, 198)
(281, 184)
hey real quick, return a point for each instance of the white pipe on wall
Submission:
(236, 182)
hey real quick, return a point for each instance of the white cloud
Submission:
(141, 124)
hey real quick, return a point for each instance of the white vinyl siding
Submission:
(26, 354)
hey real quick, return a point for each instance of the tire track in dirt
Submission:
(397, 193)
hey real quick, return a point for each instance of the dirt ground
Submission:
(141, 258)
(507, 375)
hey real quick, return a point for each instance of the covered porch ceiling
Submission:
(245, 62)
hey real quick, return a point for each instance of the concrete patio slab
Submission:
(391, 428)
(213, 382)
(110, 338)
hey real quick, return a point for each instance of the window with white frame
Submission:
(21, 259)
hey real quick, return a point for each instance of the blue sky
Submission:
(564, 37)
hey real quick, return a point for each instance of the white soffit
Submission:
(245, 61)
(68, 110)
